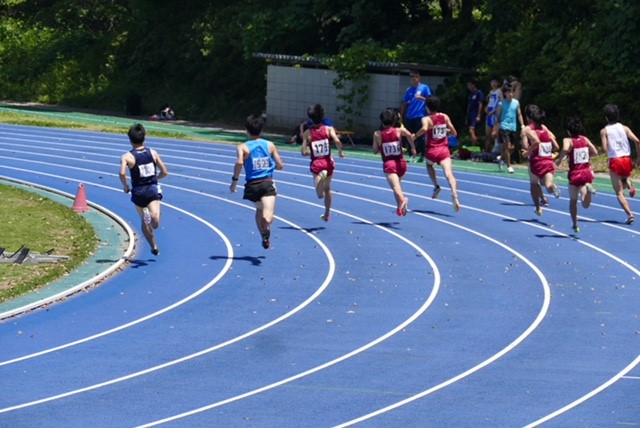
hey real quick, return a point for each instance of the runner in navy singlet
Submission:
(145, 168)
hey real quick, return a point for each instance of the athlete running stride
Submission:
(259, 158)
(437, 126)
(388, 142)
(146, 168)
(316, 143)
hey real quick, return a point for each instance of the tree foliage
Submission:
(198, 54)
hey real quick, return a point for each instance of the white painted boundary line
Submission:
(635, 361)
(217, 278)
(521, 338)
(325, 284)
(434, 292)
(587, 396)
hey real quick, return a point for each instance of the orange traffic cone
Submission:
(80, 202)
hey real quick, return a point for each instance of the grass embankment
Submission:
(13, 118)
(40, 224)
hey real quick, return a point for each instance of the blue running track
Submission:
(489, 317)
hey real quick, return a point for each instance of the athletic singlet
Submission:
(259, 164)
(320, 145)
(437, 136)
(545, 148)
(143, 172)
(391, 145)
(618, 142)
(492, 105)
(494, 98)
(579, 154)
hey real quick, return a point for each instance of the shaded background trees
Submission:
(573, 57)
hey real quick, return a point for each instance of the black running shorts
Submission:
(257, 189)
(144, 195)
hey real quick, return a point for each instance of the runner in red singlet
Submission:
(437, 126)
(316, 142)
(388, 142)
(578, 149)
(539, 143)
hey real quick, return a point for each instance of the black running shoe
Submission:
(265, 239)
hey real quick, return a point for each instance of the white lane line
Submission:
(518, 340)
(116, 140)
(413, 195)
(192, 296)
(587, 396)
(544, 229)
(527, 332)
(434, 291)
(303, 165)
(325, 284)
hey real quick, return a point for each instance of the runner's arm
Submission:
(276, 156)
(237, 167)
(163, 168)
(123, 173)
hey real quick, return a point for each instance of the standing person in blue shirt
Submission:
(509, 116)
(259, 158)
(474, 109)
(146, 168)
(414, 108)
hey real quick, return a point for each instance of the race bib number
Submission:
(545, 150)
(147, 170)
(320, 148)
(260, 164)
(439, 132)
(620, 146)
(581, 155)
(392, 148)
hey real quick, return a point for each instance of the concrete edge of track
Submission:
(115, 246)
